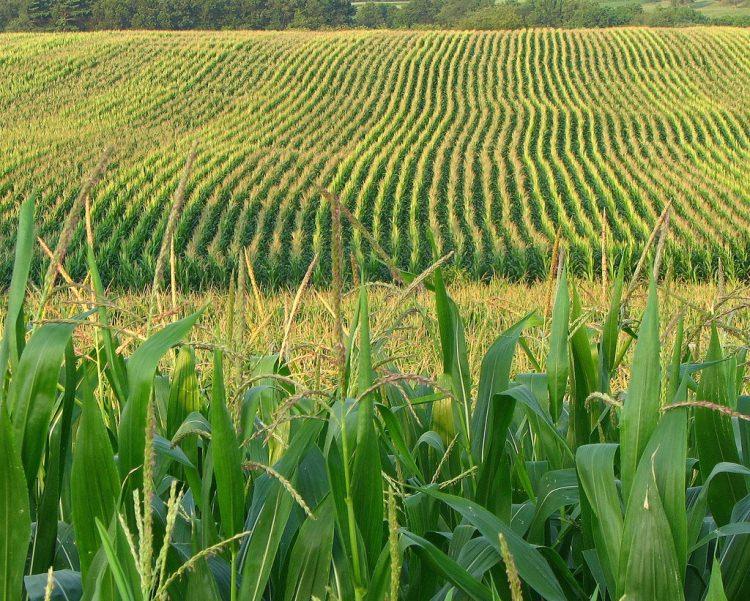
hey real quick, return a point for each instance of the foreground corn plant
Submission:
(142, 477)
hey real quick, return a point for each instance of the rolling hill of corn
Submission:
(490, 141)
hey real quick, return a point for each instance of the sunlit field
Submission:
(493, 142)
(355, 316)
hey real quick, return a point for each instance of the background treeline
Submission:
(61, 15)
(174, 14)
(511, 14)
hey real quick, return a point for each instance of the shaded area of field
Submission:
(492, 142)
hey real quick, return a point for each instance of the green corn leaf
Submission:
(494, 475)
(184, 392)
(715, 590)
(201, 585)
(270, 392)
(732, 529)
(11, 344)
(99, 584)
(668, 452)
(602, 520)
(67, 586)
(169, 453)
(396, 437)
(379, 585)
(740, 370)
(310, 559)
(268, 516)
(715, 437)
(556, 450)
(698, 508)
(735, 553)
(95, 482)
(455, 362)
(557, 489)
(447, 567)
(15, 520)
(230, 483)
(558, 363)
(349, 352)
(367, 482)
(47, 515)
(260, 553)
(335, 471)
(194, 425)
(640, 412)
(141, 370)
(127, 592)
(476, 555)
(366, 374)
(567, 579)
(663, 461)
(32, 394)
(584, 373)
(611, 330)
(743, 406)
(208, 527)
(532, 567)
(493, 378)
(649, 567)
(674, 383)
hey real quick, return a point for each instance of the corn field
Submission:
(492, 142)
(147, 465)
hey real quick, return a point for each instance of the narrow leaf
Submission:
(141, 370)
(11, 344)
(94, 481)
(230, 483)
(640, 412)
(558, 364)
(15, 521)
(715, 437)
(32, 394)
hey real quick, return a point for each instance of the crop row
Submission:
(491, 141)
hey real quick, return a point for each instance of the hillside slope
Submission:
(490, 140)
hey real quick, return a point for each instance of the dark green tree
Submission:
(111, 14)
(213, 14)
(40, 12)
(10, 11)
(72, 15)
(500, 16)
(418, 12)
(375, 15)
(183, 13)
(248, 14)
(145, 15)
(280, 14)
(453, 11)
(318, 14)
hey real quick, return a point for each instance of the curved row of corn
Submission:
(492, 141)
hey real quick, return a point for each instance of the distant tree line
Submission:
(174, 14)
(74, 15)
(512, 14)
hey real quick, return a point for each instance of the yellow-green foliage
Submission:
(490, 140)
